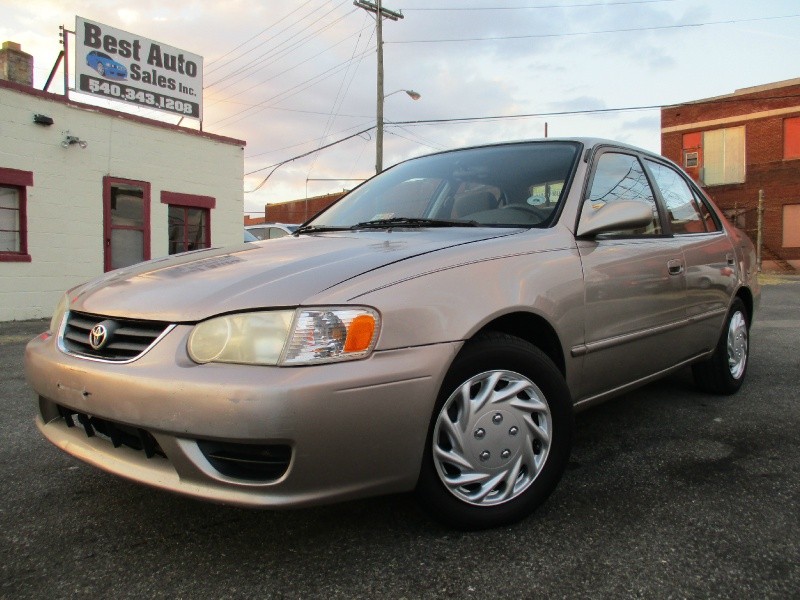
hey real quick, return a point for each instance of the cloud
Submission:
(302, 74)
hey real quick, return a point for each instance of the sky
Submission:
(292, 77)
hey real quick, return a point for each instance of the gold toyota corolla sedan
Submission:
(434, 330)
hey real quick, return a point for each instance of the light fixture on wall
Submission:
(42, 120)
(70, 140)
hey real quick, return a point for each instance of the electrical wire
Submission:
(295, 43)
(583, 5)
(607, 31)
(247, 41)
(288, 93)
(275, 166)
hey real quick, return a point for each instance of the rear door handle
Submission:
(675, 267)
(729, 258)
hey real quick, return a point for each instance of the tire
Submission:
(724, 372)
(101, 70)
(500, 435)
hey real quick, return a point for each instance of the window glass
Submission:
(127, 205)
(705, 212)
(681, 205)
(791, 137)
(188, 229)
(472, 197)
(9, 220)
(510, 185)
(723, 156)
(127, 247)
(791, 226)
(621, 177)
(276, 232)
(261, 233)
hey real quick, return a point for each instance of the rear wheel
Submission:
(500, 435)
(724, 372)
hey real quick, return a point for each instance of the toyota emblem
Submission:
(98, 336)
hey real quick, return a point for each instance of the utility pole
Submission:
(379, 12)
(760, 221)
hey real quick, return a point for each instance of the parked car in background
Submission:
(434, 330)
(106, 66)
(271, 231)
(249, 237)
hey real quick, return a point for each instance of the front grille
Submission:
(119, 435)
(126, 339)
(253, 462)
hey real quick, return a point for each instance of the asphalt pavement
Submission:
(670, 493)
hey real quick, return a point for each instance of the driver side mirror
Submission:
(613, 216)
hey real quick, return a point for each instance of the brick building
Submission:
(740, 146)
(295, 211)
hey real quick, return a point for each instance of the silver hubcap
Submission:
(492, 438)
(737, 345)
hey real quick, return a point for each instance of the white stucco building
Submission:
(85, 189)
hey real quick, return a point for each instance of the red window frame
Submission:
(108, 183)
(186, 201)
(21, 181)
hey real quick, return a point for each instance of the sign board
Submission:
(118, 65)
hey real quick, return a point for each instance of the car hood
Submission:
(277, 273)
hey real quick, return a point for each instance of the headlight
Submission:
(249, 338)
(58, 315)
(332, 334)
(286, 337)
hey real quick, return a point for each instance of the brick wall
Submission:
(16, 65)
(761, 111)
(299, 211)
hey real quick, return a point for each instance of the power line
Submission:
(247, 41)
(288, 93)
(607, 31)
(458, 120)
(282, 52)
(277, 165)
(341, 93)
(278, 74)
(523, 116)
(583, 5)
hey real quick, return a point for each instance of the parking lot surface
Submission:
(670, 493)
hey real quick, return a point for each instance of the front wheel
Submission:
(500, 435)
(724, 372)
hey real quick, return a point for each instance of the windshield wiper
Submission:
(411, 222)
(319, 228)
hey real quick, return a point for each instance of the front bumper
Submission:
(354, 428)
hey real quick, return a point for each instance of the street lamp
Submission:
(411, 94)
(379, 133)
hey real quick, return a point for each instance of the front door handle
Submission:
(675, 267)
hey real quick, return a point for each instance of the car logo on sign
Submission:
(98, 336)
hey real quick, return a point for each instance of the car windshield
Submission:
(511, 185)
